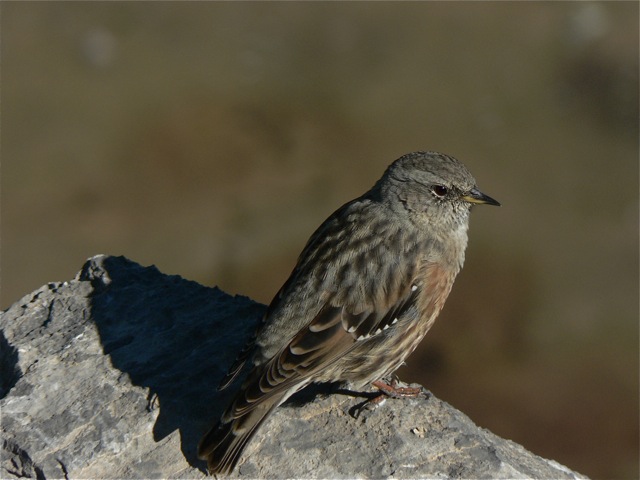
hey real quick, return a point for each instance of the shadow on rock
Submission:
(172, 336)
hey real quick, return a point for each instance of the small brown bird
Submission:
(366, 289)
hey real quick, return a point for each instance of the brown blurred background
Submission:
(210, 139)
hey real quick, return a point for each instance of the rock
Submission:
(114, 375)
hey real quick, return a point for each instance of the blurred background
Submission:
(210, 139)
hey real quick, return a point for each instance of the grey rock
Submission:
(114, 375)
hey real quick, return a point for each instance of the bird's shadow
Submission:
(315, 390)
(172, 336)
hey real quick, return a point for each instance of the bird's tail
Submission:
(222, 446)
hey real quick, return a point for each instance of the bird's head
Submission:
(430, 185)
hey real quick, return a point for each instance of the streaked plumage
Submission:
(366, 289)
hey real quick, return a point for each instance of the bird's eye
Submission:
(439, 190)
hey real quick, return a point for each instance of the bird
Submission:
(365, 290)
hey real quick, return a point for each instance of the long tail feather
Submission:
(224, 443)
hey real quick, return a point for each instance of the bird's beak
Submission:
(476, 196)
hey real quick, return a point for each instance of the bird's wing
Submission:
(328, 337)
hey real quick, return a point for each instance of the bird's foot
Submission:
(392, 389)
(387, 390)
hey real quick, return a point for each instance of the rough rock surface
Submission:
(114, 375)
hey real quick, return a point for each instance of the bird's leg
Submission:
(387, 389)
(392, 390)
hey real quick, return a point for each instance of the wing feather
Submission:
(331, 335)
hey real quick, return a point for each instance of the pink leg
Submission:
(391, 390)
